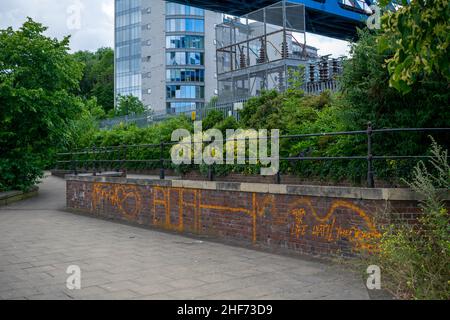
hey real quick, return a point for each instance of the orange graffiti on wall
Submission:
(306, 220)
(326, 227)
(165, 202)
(118, 195)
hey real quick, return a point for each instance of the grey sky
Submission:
(97, 23)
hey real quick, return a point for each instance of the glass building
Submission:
(165, 54)
(128, 48)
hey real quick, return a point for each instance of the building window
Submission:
(185, 25)
(183, 107)
(184, 58)
(185, 75)
(185, 92)
(179, 9)
(185, 42)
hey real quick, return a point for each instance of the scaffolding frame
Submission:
(254, 52)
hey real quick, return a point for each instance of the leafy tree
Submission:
(127, 105)
(213, 117)
(86, 126)
(88, 59)
(98, 76)
(103, 88)
(365, 86)
(418, 35)
(227, 123)
(38, 103)
(369, 98)
(263, 111)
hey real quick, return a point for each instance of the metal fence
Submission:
(96, 159)
(141, 120)
(321, 86)
(229, 107)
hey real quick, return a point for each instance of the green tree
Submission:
(213, 117)
(86, 126)
(39, 80)
(418, 36)
(365, 86)
(98, 76)
(369, 98)
(127, 105)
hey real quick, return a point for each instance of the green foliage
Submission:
(263, 111)
(227, 123)
(85, 127)
(128, 105)
(38, 82)
(132, 135)
(365, 86)
(418, 36)
(213, 117)
(415, 259)
(98, 76)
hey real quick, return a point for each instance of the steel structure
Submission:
(255, 52)
(332, 18)
(264, 50)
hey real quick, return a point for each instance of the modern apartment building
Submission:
(165, 54)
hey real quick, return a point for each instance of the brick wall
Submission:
(302, 219)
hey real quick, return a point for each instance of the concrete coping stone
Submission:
(9, 197)
(14, 193)
(398, 194)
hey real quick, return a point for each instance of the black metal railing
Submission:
(98, 159)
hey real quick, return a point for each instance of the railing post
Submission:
(370, 180)
(210, 173)
(74, 165)
(162, 173)
(278, 177)
(100, 160)
(116, 159)
(124, 161)
(94, 162)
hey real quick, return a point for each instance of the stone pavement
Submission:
(39, 240)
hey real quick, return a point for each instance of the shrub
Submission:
(415, 259)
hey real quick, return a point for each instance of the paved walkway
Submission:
(38, 241)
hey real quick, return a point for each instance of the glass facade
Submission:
(183, 107)
(185, 25)
(185, 75)
(185, 92)
(185, 58)
(185, 44)
(179, 9)
(128, 47)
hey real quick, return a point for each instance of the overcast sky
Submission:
(95, 28)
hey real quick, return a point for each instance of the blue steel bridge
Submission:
(332, 18)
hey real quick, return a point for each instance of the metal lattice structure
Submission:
(258, 51)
